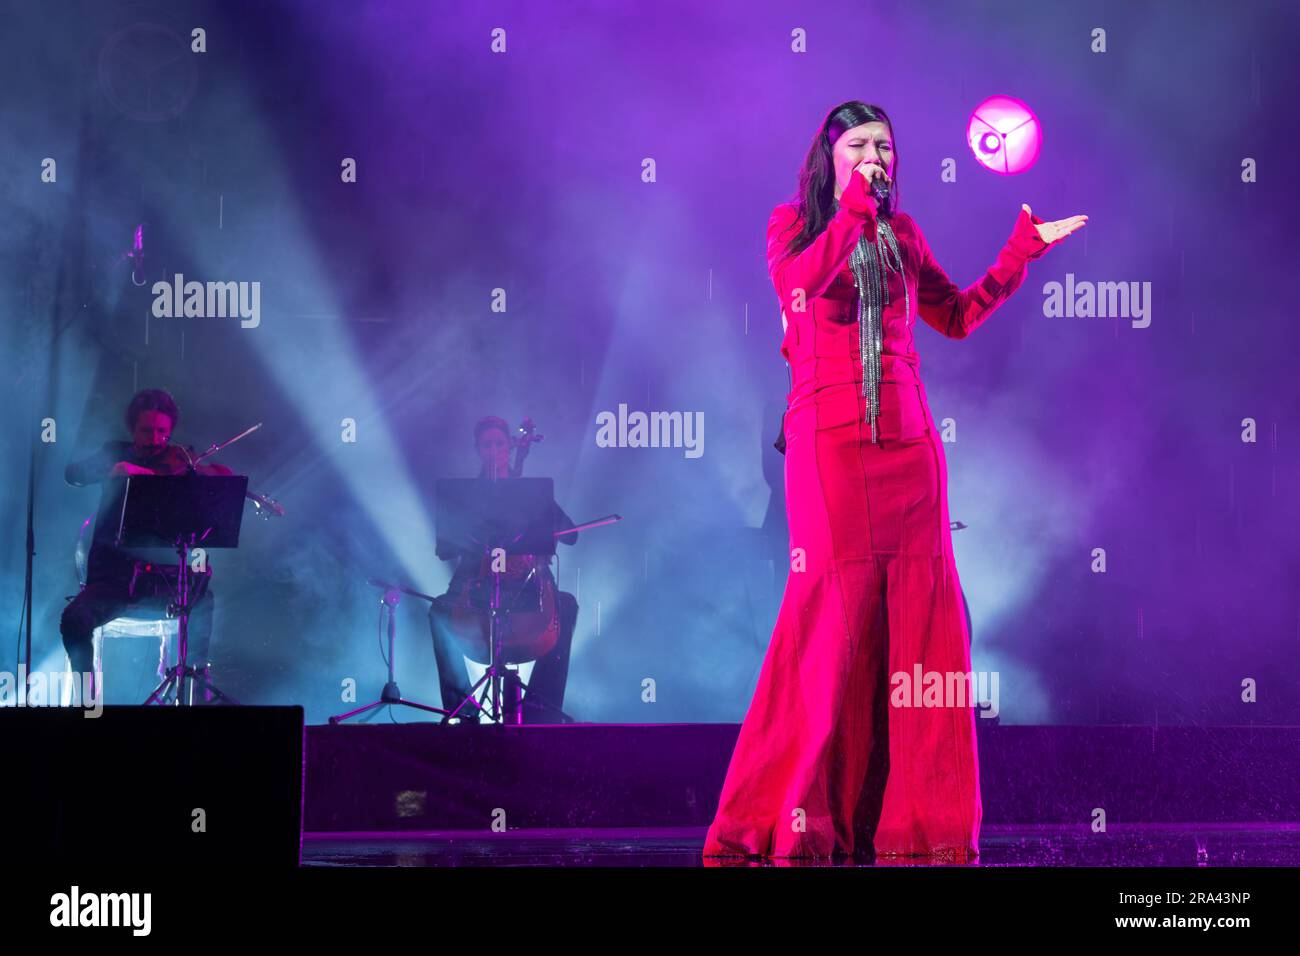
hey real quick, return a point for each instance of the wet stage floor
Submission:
(1143, 845)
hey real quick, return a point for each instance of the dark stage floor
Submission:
(1001, 845)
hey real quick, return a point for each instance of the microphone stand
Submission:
(31, 556)
(391, 695)
(136, 256)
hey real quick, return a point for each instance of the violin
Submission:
(179, 460)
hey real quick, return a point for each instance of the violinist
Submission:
(544, 698)
(119, 580)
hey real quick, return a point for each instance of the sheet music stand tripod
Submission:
(182, 512)
(482, 515)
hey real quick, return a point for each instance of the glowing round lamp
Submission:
(1004, 134)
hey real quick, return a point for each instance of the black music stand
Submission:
(482, 515)
(181, 512)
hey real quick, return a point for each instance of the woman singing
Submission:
(831, 758)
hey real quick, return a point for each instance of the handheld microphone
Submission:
(880, 190)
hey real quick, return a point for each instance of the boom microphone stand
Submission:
(391, 694)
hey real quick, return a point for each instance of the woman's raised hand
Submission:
(872, 170)
(1052, 231)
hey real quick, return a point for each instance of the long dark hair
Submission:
(816, 197)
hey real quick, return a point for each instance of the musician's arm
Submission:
(562, 523)
(95, 469)
(453, 554)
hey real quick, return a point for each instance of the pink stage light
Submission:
(1004, 134)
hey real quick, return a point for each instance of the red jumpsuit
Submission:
(824, 764)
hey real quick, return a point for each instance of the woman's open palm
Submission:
(1052, 231)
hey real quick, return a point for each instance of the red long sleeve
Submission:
(813, 269)
(958, 312)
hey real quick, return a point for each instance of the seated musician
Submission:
(544, 697)
(119, 581)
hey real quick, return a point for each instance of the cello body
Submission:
(530, 622)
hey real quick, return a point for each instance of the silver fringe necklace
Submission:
(871, 263)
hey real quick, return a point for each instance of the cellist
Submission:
(544, 700)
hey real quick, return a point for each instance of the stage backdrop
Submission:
(440, 211)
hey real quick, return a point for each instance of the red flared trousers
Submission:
(826, 763)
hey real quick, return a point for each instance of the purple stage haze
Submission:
(576, 223)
